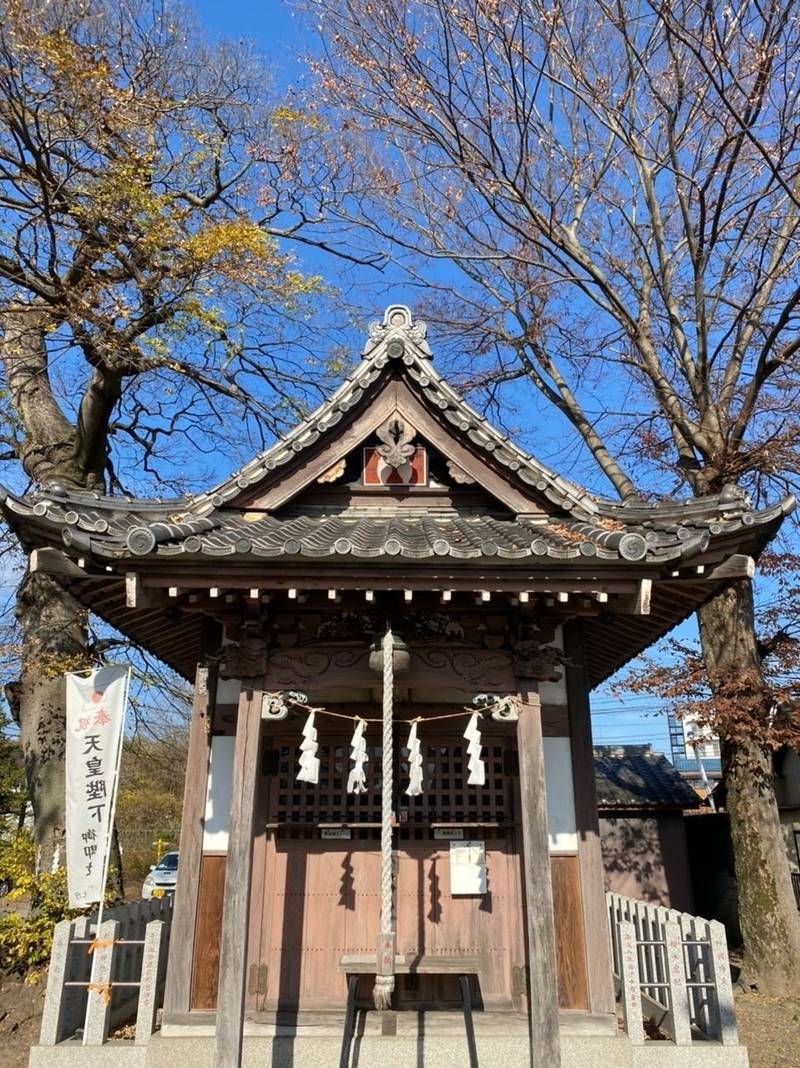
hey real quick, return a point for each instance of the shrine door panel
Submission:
(321, 903)
(319, 898)
(486, 926)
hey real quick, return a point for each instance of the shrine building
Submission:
(393, 619)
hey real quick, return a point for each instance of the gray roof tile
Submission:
(633, 776)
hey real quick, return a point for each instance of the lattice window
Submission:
(446, 799)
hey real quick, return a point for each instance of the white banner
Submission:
(95, 725)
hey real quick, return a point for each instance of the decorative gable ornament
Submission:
(397, 460)
(397, 326)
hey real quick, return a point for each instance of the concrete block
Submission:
(698, 1055)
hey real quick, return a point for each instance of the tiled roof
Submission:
(633, 776)
(114, 528)
(579, 524)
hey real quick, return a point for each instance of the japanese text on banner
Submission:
(95, 721)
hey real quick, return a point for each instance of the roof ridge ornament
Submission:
(397, 328)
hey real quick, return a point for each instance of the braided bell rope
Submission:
(384, 982)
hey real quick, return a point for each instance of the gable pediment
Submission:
(396, 384)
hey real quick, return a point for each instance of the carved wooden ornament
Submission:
(397, 460)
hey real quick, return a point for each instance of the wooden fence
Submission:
(129, 951)
(671, 971)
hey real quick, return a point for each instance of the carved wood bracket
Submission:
(532, 660)
(434, 666)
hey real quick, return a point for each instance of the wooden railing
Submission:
(129, 951)
(671, 971)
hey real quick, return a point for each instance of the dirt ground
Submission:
(770, 1027)
(20, 1013)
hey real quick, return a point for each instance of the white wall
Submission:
(561, 822)
(228, 691)
(218, 794)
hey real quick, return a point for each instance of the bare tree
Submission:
(150, 192)
(617, 183)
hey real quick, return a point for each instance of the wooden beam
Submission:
(740, 565)
(438, 665)
(362, 578)
(136, 596)
(590, 861)
(177, 993)
(636, 603)
(642, 601)
(54, 562)
(238, 870)
(545, 1045)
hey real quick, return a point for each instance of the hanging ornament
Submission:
(309, 761)
(477, 769)
(357, 780)
(414, 788)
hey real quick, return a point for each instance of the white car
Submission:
(162, 877)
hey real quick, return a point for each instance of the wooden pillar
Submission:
(590, 860)
(238, 870)
(545, 1042)
(177, 993)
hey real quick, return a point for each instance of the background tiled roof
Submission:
(633, 776)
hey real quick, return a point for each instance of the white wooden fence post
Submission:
(99, 1002)
(721, 977)
(631, 988)
(676, 969)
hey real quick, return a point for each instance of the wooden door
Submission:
(321, 897)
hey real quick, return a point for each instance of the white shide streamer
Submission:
(414, 788)
(357, 780)
(309, 761)
(477, 769)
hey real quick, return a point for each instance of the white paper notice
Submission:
(95, 722)
(467, 868)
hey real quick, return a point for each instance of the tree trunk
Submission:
(768, 914)
(54, 635)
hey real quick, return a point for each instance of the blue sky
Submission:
(284, 37)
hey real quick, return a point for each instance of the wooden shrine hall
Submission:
(393, 618)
